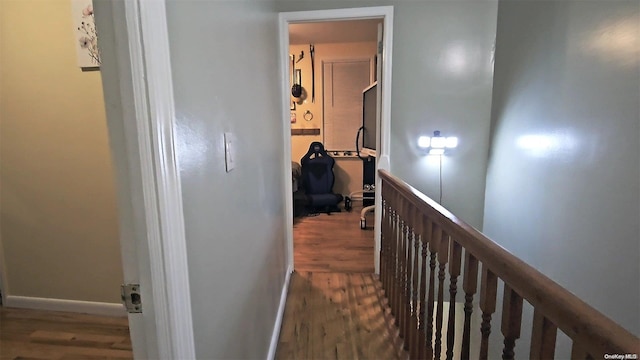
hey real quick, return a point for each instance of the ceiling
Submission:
(334, 32)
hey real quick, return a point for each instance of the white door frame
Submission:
(142, 65)
(384, 130)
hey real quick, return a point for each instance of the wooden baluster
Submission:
(386, 222)
(469, 285)
(409, 276)
(425, 236)
(387, 261)
(488, 290)
(417, 230)
(403, 269)
(411, 273)
(395, 281)
(389, 242)
(443, 255)
(511, 320)
(391, 264)
(434, 246)
(454, 272)
(543, 338)
(383, 243)
(392, 250)
(406, 312)
(396, 265)
(399, 289)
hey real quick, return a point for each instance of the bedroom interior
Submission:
(331, 64)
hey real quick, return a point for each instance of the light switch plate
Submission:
(229, 152)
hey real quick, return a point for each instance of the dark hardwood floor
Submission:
(337, 316)
(335, 307)
(334, 243)
(37, 334)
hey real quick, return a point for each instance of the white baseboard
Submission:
(76, 306)
(276, 328)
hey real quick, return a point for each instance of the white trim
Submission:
(283, 30)
(382, 161)
(148, 179)
(361, 13)
(278, 324)
(384, 147)
(75, 306)
(151, 73)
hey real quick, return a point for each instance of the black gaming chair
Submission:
(318, 179)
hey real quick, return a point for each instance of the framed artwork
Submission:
(85, 36)
(292, 102)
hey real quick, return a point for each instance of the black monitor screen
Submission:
(369, 101)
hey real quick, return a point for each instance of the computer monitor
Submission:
(369, 123)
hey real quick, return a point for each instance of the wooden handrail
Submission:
(594, 332)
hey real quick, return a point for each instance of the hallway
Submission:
(334, 243)
(335, 307)
(337, 316)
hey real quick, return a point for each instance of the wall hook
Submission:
(308, 115)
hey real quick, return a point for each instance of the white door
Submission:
(138, 95)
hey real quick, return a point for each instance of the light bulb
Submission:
(424, 142)
(451, 142)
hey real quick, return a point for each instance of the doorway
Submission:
(300, 128)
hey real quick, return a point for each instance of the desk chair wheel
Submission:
(347, 203)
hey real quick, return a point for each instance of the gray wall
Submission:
(442, 79)
(566, 199)
(224, 65)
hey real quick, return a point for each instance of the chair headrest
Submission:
(317, 149)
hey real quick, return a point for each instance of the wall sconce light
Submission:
(437, 144)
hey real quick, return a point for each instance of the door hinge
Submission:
(379, 47)
(130, 294)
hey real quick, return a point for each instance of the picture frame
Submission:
(85, 35)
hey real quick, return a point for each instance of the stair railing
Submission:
(421, 241)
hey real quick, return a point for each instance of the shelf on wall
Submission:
(305, 132)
